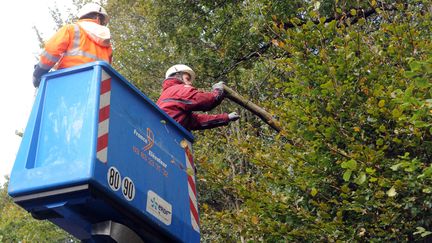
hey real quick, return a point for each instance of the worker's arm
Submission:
(205, 121)
(204, 101)
(54, 48)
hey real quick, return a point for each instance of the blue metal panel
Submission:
(138, 176)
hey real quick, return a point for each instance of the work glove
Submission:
(36, 81)
(218, 86)
(233, 116)
(37, 75)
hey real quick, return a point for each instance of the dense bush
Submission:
(355, 101)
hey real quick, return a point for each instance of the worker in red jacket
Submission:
(88, 40)
(179, 99)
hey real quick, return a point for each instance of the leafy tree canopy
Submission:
(350, 82)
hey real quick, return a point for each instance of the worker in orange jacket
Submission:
(87, 40)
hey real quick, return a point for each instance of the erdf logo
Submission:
(159, 208)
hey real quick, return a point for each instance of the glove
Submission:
(233, 116)
(36, 82)
(218, 86)
(37, 74)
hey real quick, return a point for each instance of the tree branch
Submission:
(361, 13)
(249, 56)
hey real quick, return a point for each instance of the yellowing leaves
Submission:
(313, 192)
(361, 232)
(396, 113)
(350, 164)
(347, 175)
(278, 43)
(205, 206)
(255, 220)
(317, 5)
(391, 192)
(361, 178)
(427, 190)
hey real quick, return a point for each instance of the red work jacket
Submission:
(180, 101)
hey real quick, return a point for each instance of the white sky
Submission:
(19, 48)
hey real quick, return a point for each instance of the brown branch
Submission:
(361, 13)
(247, 57)
(260, 112)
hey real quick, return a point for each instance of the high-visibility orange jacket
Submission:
(75, 44)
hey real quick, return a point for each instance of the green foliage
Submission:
(358, 100)
(17, 225)
(211, 37)
(349, 81)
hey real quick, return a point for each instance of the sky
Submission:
(19, 48)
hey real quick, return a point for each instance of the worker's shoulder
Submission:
(189, 88)
(183, 86)
(67, 27)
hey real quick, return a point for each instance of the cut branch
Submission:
(260, 112)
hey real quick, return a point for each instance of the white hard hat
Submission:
(92, 8)
(180, 68)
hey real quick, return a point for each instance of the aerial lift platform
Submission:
(99, 159)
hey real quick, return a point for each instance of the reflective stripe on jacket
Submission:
(179, 101)
(72, 46)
